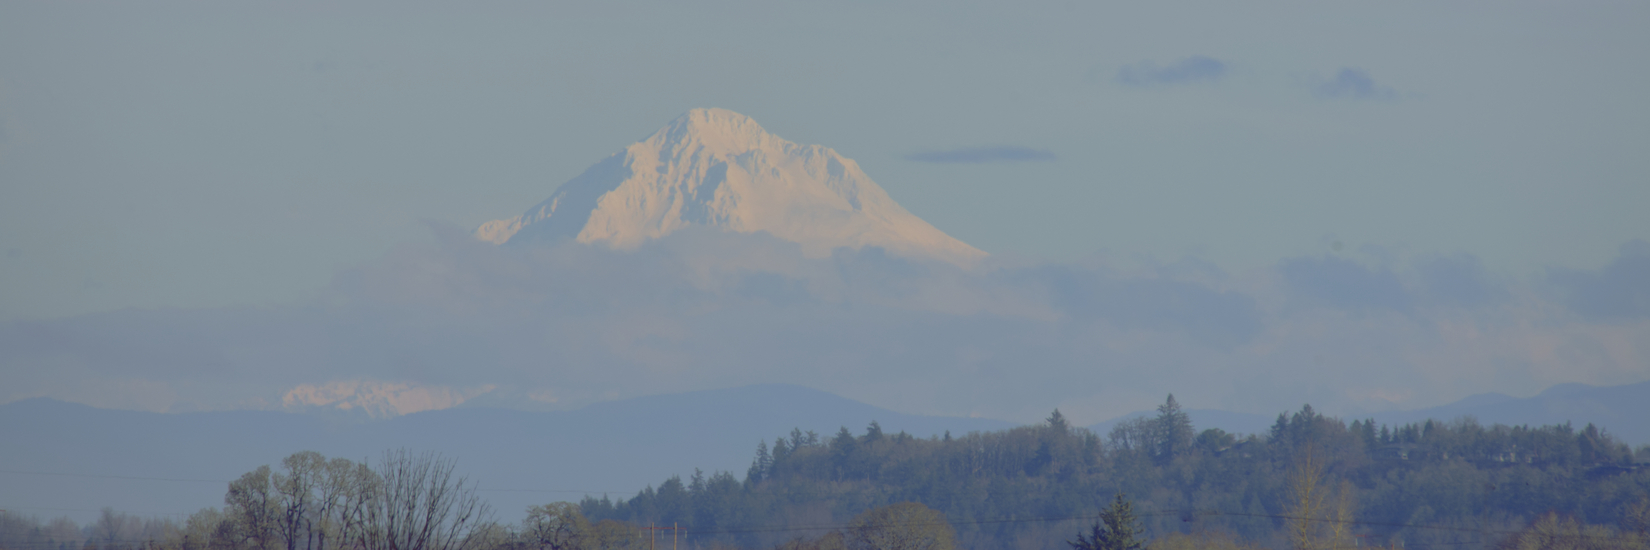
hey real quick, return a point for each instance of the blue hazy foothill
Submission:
(615, 448)
(154, 463)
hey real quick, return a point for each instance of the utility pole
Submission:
(653, 535)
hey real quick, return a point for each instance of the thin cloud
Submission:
(1344, 284)
(1459, 280)
(1212, 317)
(1352, 83)
(1190, 70)
(1617, 292)
(981, 155)
(703, 309)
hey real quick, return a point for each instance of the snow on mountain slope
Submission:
(377, 399)
(718, 168)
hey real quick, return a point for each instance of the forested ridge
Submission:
(1310, 482)
(1455, 484)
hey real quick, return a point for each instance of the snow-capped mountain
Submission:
(718, 168)
(376, 399)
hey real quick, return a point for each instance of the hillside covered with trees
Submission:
(1311, 482)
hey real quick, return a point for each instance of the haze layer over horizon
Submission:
(178, 155)
(1382, 206)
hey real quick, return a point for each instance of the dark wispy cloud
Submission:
(1458, 280)
(1210, 316)
(1353, 83)
(1455, 281)
(1619, 291)
(1189, 70)
(1343, 283)
(977, 155)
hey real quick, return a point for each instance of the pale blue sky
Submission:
(194, 154)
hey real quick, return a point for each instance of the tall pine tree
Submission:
(1117, 529)
(760, 465)
(1174, 431)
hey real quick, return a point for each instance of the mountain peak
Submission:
(718, 123)
(719, 168)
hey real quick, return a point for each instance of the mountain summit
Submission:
(718, 168)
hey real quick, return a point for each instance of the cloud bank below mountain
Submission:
(465, 323)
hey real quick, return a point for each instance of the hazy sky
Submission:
(1390, 204)
(199, 153)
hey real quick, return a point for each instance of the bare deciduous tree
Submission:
(1320, 511)
(556, 526)
(902, 526)
(349, 489)
(610, 534)
(252, 510)
(198, 530)
(296, 489)
(419, 505)
(1305, 499)
(1553, 531)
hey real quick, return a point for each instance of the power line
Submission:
(764, 529)
(86, 510)
(480, 490)
(103, 476)
(187, 480)
(998, 521)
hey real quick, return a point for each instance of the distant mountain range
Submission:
(66, 459)
(1624, 411)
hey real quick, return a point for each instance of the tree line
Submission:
(1310, 482)
(406, 501)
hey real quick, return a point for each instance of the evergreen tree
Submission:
(873, 433)
(781, 450)
(760, 465)
(1058, 422)
(797, 440)
(842, 451)
(1117, 529)
(1174, 431)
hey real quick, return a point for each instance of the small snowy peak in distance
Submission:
(718, 168)
(375, 399)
